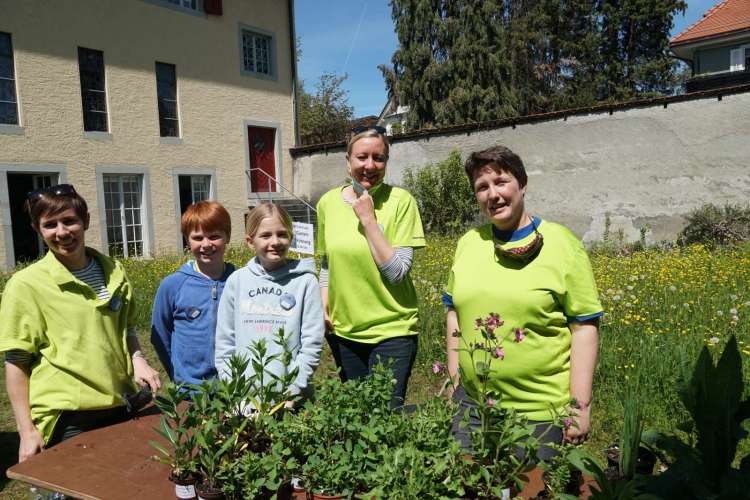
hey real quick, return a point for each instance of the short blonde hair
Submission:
(267, 210)
(370, 132)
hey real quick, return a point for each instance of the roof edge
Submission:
(709, 37)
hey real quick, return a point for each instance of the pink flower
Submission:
(499, 353)
(567, 423)
(490, 402)
(520, 335)
(437, 367)
(494, 321)
(478, 323)
(490, 330)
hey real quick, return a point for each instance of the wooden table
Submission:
(114, 463)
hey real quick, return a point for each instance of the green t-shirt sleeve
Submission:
(581, 300)
(408, 224)
(21, 319)
(320, 241)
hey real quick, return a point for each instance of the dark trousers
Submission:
(72, 423)
(552, 433)
(356, 360)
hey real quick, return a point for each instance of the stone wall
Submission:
(645, 165)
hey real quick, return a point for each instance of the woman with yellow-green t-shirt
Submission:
(536, 276)
(67, 330)
(367, 231)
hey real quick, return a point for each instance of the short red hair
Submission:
(206, 216)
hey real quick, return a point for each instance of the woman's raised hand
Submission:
(364, 208)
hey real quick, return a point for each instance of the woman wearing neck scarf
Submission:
(367, 232)
(529, 283)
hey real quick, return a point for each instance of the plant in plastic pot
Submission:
(237, 416)
(175, 428)
(503, 445)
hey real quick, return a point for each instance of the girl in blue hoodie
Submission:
(269, 293)
(184, 316)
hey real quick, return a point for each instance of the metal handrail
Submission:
(280, 184)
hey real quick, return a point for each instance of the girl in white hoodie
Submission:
(269, 293)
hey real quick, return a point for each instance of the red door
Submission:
(262, 142)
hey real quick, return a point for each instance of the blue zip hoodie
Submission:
(256, 303)
(184, 321)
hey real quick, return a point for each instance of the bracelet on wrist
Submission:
(138, 354)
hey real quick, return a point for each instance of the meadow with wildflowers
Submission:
(662, 307)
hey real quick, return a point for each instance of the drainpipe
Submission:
(293, 45)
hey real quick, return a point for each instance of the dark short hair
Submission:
(499, 158)
(49, 203)
(208, 216)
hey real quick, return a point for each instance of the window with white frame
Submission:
(123, 208)
(200, 186)
(257, 53)
(8, 103)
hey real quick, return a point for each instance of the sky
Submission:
(353, 37)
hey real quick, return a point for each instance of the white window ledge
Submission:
(170, 140)
(6, 128)
(99, 136)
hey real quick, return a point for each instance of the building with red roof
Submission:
(717, 47)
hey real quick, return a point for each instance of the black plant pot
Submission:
(644, 464)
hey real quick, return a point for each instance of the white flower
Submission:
(686, 304)
(629, 287)
(616, 298)
(714, 340)
(672, 288)
(720, 313)
(733, 296)
(733, 311)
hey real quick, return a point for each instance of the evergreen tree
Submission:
(451, 66)
(473, 60)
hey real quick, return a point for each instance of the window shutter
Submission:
(212, 7)
(736, 59)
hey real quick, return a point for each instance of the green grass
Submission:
(661, 308)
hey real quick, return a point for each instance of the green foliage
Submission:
(325, 115)
(714, 399)
(337, 438)
(461, 62)
(712, 225)
(175, 427)
(226, 429)
(630, 439)
(445, 199)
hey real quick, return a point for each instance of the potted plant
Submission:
(175, 428)
(503, 446)
(237, 416)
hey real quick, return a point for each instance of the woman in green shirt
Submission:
(536, 276)
(67, 330)
(367, 231)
